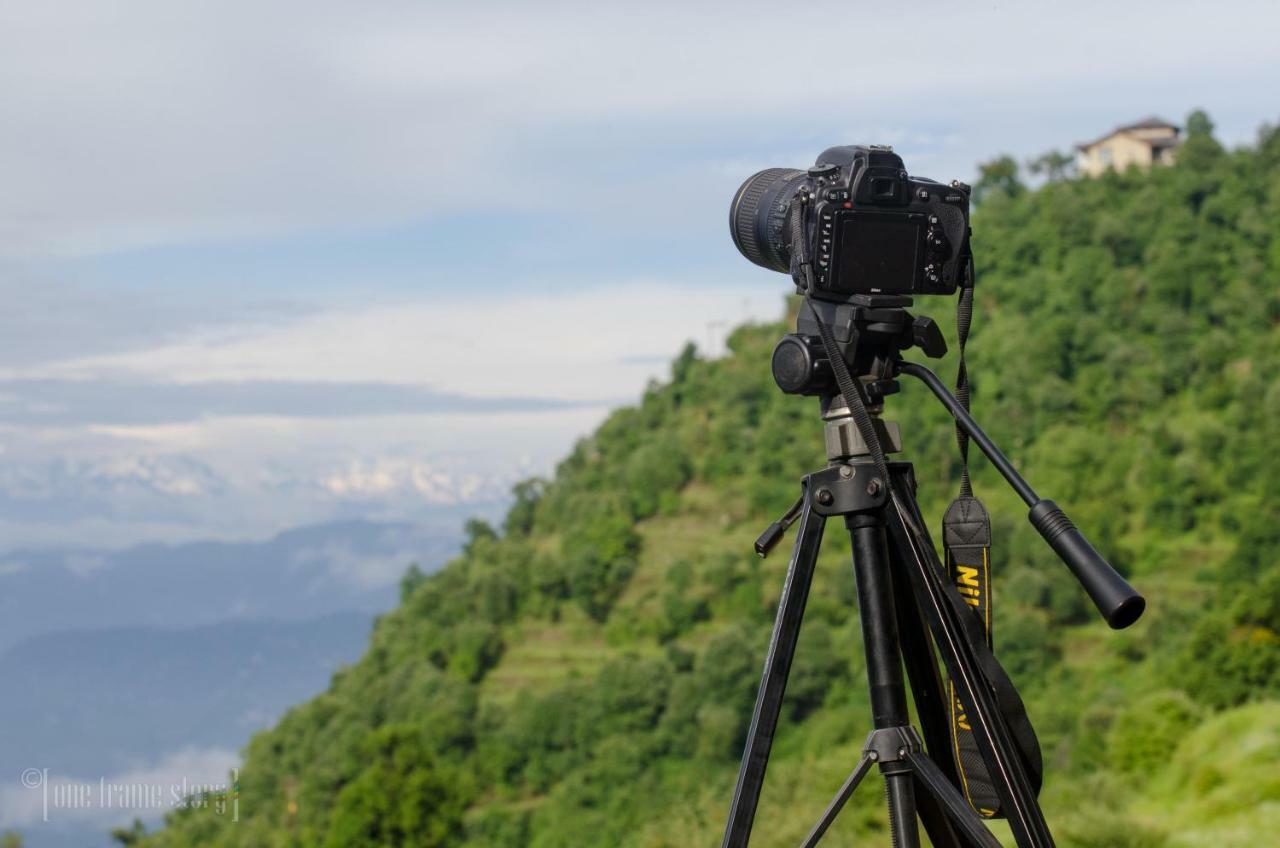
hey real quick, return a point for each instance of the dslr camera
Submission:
(869, 228)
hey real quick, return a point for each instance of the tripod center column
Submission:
(843, 441)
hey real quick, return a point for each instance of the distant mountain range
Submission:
(158, 661)
(349, 566)
(124, 498)
(93, 703)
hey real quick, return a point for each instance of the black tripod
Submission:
(907, 604)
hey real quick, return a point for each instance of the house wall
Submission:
(1121, 151)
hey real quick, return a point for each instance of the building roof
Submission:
(1149, 123)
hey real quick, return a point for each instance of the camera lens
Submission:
(758, 217)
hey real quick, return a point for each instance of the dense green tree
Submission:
(130, 835)
(400, 799)
(1234, 653)
(525, 496)
(412, 579)
(477, 532)
(1054, 165)
(1000, 175)
(1148, 729)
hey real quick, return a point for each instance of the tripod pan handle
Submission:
(1117, 601)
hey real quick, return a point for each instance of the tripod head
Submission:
(871, 331)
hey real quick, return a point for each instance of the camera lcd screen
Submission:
(876, 252)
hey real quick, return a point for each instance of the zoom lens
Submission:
(758, 217)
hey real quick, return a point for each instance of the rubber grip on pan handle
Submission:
(1117, 601)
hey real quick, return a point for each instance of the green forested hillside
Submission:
(583, 674)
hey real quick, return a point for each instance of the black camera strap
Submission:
(966, 537)
(964, 318)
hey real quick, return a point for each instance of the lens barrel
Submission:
(758, 217)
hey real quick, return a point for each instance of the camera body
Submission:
(869, 227)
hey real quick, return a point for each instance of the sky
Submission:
(271, 264)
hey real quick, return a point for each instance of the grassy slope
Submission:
(1125, 353)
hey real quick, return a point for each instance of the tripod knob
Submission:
(800, 366)
(926, 335)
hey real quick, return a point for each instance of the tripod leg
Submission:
(953, 803)
(884, 664)
(995, 741)
(773, 683)
(838, 802)
(931, 709)
(926, 687)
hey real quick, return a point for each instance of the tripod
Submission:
(907, 605)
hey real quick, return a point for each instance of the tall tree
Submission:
(131, 835)
(998, 175)
(1055, 165)
(402, 798)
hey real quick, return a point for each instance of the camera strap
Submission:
(966, 536)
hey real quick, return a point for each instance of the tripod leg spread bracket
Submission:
(887, 746)
(901, 748)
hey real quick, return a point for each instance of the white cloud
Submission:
(598, 344)
(157, 122)
(238, 476)
(248, 476)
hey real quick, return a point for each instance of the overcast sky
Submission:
(265, 263)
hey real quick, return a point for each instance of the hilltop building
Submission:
(1147, 142)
